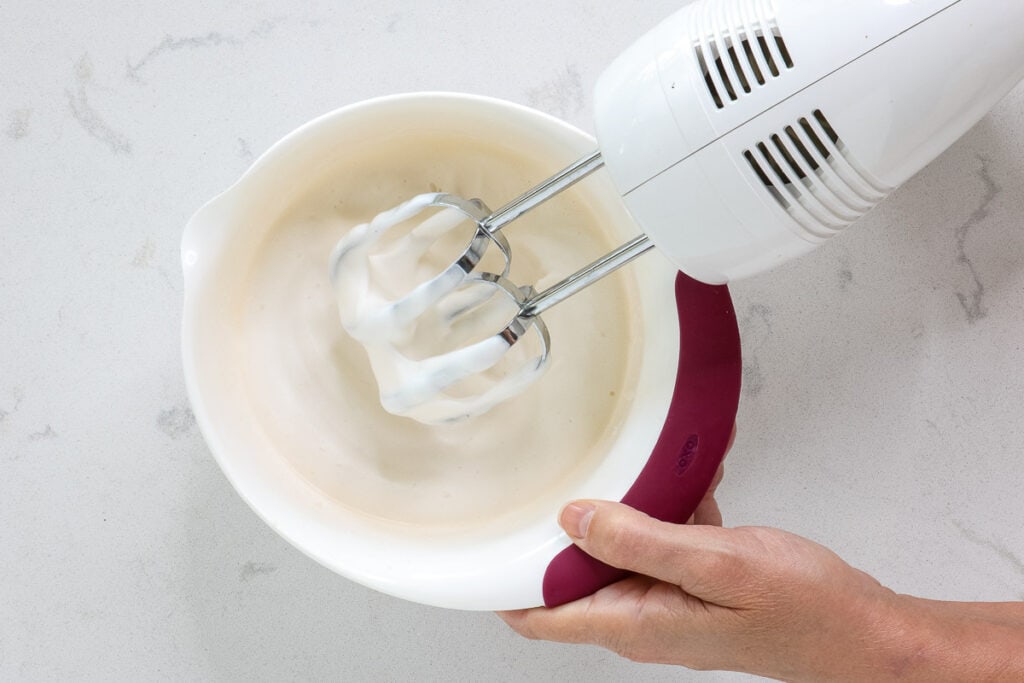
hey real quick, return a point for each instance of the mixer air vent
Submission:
(738, 47)
(813, 176)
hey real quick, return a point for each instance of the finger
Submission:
(708, 513)
(516, 619)
(573, 622)
(719, 475)
(691, 557)
(611, 618)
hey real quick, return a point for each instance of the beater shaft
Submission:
(541, 193)
(586, 276)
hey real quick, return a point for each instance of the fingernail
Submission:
(575, 519)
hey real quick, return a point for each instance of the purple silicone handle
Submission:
(693, 441)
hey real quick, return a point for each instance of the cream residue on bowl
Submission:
(313, 393)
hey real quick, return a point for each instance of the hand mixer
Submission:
(739, 133)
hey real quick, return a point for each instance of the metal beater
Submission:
(420, 391)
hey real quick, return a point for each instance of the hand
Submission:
(762, 601)
(709, 598)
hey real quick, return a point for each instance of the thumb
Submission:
(694, 558)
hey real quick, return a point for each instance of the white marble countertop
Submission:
(881, 413)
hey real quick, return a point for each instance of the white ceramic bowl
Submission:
(478, 568)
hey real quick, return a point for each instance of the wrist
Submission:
(932, 640)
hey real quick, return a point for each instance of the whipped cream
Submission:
(413, 383)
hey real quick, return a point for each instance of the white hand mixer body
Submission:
(772, 126)
(740, 134)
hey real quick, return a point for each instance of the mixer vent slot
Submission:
(814, 177)
(739, 47)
